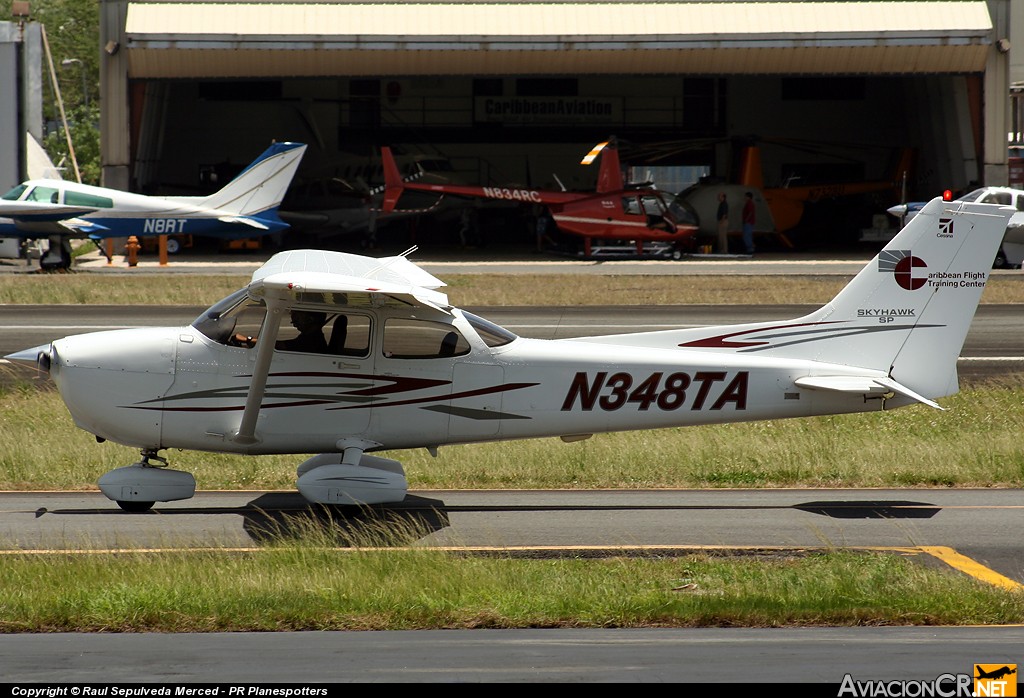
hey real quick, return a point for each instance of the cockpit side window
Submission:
(340, 334)
(47, 194)
(77, 198)
(349, 335)
(408, 338)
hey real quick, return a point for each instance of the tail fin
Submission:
(609, 176)
(392, 180)
(908, 312)
(262, 185)
(750, 172)
(900, 323)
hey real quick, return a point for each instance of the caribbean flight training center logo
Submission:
(910, 272)
(986, 681)
(904, 267)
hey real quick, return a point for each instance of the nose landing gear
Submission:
(137, 487)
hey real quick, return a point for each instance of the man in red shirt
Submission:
(749, 218)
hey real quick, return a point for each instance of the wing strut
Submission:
(264, 354)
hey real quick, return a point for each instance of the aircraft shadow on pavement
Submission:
(287, 516)
(882, 509)
(277, 516)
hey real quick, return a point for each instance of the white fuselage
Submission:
(177, 388)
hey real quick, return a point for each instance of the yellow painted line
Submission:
(971, 567)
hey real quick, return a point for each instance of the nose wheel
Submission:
(135, 507)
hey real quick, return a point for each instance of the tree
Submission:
(72, 31)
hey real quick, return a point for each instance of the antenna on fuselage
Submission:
(385, 265)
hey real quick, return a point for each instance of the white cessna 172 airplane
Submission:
(58, 210)
(384, 361)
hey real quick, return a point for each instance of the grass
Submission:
(308, 587)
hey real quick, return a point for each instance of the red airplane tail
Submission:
(392, 180)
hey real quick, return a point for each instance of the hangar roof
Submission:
(277, 39)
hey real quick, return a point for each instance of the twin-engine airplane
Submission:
(60, 210)
(614, 211)
(385, 362)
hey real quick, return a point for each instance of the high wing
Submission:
(366, 281)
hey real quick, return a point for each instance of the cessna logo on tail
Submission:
(902, 266)
(945, 228)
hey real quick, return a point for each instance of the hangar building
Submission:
(517, 92)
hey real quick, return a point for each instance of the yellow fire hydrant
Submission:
(132, 251)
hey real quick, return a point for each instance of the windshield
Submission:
(236, 311)
(15, 194)
(492, 335)
(973, 196)
(682, 212)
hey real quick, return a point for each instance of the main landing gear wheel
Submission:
(135, 507)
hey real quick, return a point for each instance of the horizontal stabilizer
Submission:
(245, 220)
(85, 227)
(862, 385)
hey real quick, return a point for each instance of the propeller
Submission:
(40, 357)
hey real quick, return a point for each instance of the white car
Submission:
(1011, 253)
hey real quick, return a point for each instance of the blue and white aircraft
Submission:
(60, 210)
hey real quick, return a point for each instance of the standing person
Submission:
(749, 218)
(723, 224)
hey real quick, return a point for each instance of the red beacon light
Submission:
(947, 195)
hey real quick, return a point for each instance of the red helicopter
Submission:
(614, 211)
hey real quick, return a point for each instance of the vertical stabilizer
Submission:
(262, 185)
(903, 318)
(750, 174)
(908, 311)
(609, 177)
(392, 180)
